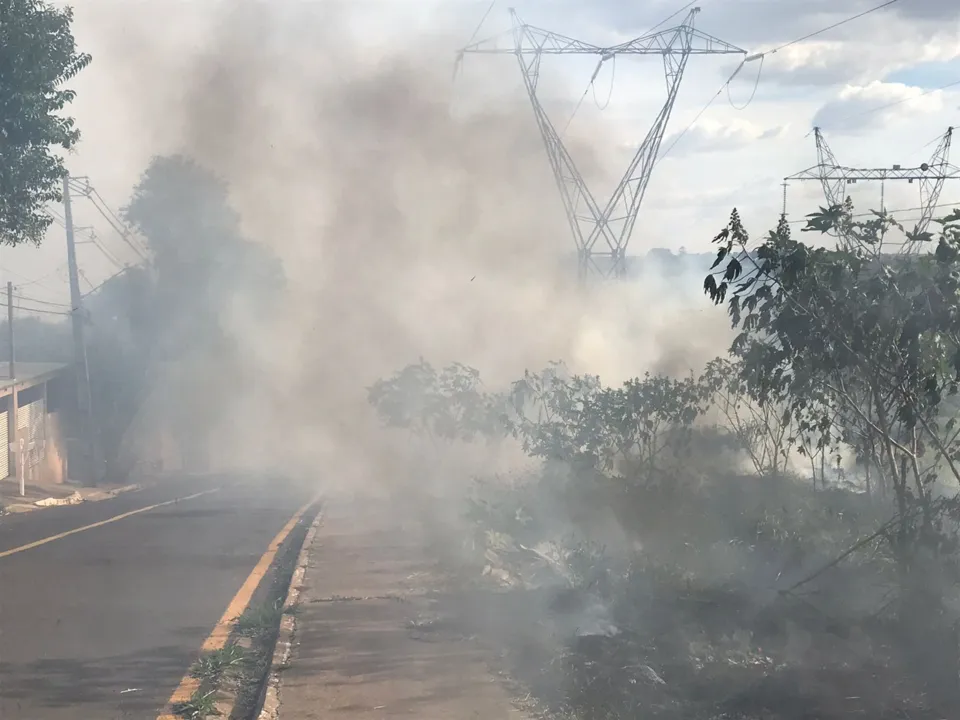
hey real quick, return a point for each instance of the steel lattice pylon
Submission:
(604, 231)
(930, 176)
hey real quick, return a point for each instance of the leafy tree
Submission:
(863, 348)
(847, 347)
(556, 416)
(162, 330)
(37, 56)
(119, 354)
(762, 429)
(201, 260)
(451, 404)
(582, 422)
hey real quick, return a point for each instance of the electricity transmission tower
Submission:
(930, 176)
(603, 231)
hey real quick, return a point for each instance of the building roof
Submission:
(27, 375)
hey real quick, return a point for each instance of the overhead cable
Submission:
(40, 302)
(36, 310)
(39, 280)
(831, 27)
(111, 217)
(760, 56)
(753, 93)
(671, 17)
(592, 84)
(613, 78)
(887, 212)
(104, 282)
(482, 21)
(706, 107)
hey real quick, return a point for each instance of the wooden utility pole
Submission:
(13, 362)
(13, 451)
(79, 345)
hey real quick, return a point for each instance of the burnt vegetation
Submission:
(772, 537)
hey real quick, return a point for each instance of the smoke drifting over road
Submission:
(416, 217)
(407, 225)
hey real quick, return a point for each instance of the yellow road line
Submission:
(44, 541)
(221, 632)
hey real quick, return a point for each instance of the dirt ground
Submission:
(370, 641)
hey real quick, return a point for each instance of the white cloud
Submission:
(140, 71)
(710, 135)
(859, 108)
(862, 59)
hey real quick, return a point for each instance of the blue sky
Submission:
(927, 75)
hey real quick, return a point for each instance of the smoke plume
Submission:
(414, 216)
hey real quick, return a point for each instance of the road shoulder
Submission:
(369, 640)
(41, 496)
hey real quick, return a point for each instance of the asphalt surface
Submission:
(103, 624)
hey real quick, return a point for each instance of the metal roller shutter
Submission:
(30, 427)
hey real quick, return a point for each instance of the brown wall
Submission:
(53, 466)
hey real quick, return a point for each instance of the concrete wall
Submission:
(53, 465)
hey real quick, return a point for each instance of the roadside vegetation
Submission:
(773, 536)
(231, 679)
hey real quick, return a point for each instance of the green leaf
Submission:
(37, 56)
(721, 254)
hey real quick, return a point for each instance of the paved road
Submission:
(125, 605)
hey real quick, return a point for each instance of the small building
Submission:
(30, 410)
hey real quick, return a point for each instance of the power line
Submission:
(576, 109)
(613, 79)
(41, 302)
(90, 236)
(39, 280)
(706, 107)
(888, 212)
(602, 229)
(82, 186)
(94, 240)
(37, 310)
(121, 227)
(753, 93)
(482, 21)
(106, 253)
(12, 272)
(586, 91)
(671, 17)
(592, 83)
(83, 276)
(760, 56)
(97, 287)
(832, 27)
(114, 221)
